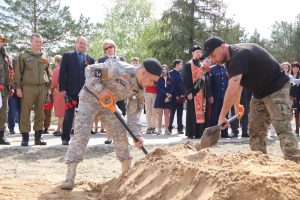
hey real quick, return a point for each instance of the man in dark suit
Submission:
(71, 80)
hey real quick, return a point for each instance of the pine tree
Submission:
(19, 19)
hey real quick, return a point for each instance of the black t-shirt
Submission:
(262, 74)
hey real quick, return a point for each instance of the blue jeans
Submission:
(14, 110)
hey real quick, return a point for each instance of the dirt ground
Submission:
(35, 173)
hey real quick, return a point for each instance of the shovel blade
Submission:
(210, 137)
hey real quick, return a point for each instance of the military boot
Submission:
(38, 140)
(125, 164)
(3, 139)
(290, 148)
(68, 184)
(25, 139)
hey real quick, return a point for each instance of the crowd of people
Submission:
(29, 83)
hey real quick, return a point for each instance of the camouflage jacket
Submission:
(119, 77)
(4, 75)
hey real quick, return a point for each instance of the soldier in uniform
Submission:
(252, 67)
(32, 82)
(4, 88)
(124, 81)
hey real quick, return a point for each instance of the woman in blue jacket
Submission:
(163, 99)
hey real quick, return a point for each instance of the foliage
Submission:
(281, 46)
(125, 24)
(19, 19)
(190, 22)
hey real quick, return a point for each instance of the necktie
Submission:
(80, 58)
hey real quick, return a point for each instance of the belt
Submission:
(89, 91)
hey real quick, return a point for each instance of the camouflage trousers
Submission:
(273, 109)
(86, 112)
(3, 112)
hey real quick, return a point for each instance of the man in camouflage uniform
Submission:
(4, 88)
(252, 67)
(32, 82)
(124, 81)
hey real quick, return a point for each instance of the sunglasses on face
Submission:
(109, 47)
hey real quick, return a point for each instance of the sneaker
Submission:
(234, 134)
(180, 132)
(12, 132)
(158, 132)
(107, 141)
(154, 131)
(56, 133)
(167, 132)
(149, 131)
(102, 130)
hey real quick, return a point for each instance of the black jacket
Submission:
(71, 74)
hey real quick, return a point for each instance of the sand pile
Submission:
(180, 172)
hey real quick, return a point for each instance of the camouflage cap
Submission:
(153, 66)
(3, 38)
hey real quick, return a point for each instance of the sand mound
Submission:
(176, 173)
(180, 172)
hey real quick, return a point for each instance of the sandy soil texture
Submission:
(227, 171)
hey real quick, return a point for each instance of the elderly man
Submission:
(71, 80)
(124, 81)
(252, 67)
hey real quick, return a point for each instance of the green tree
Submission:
(190, 22)
(256, 38)
(19, 19)
(281, 45)
(125, 23)
(296, 39)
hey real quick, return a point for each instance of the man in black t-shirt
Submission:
(252, 67)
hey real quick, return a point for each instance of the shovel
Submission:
(211, 135)
(108, 102)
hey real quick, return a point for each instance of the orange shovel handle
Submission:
(108, 102)
(241, 111)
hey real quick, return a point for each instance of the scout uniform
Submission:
(33, 77)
